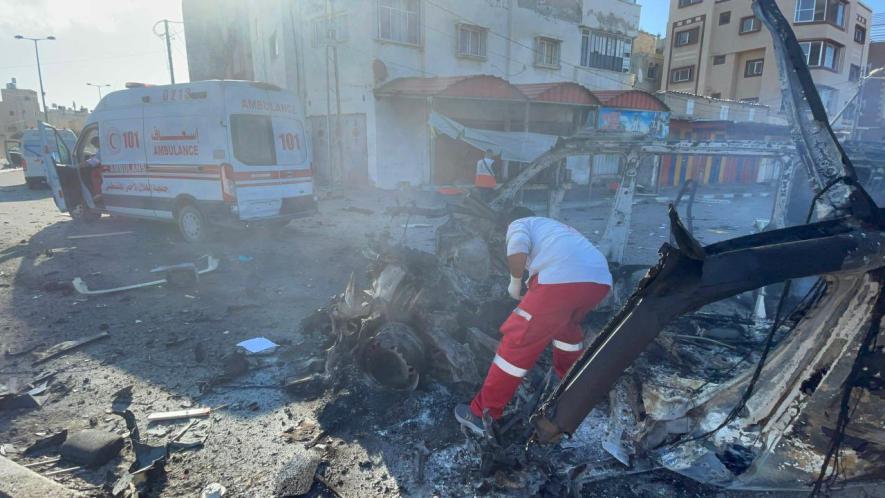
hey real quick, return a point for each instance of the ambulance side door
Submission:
(126, 185)
(55, 155)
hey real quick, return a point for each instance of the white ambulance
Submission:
(209, 152)
(32, 162)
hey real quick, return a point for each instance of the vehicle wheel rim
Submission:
(190, 224)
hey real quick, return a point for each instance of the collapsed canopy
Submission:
(517, 146)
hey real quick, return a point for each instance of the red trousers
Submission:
(551, 312)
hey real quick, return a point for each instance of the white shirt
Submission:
(557, 253)
(484, 167)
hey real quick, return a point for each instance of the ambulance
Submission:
(197, 154)
(32, 161)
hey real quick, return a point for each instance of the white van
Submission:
(32, 162)
(209, 152)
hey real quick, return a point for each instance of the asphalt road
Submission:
(168, 343)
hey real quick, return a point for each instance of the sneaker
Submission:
(468, 420)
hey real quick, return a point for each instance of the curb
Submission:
(707, 197)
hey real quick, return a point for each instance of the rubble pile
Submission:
(423, 315)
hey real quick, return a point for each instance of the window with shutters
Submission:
(471, 41)
(605, 50)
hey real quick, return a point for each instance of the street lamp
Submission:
(39, 72)
(99, 87)
(861, 84)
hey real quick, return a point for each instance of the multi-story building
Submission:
(718, 48)
(648, 61)
(18, 111)
(372, 72)
(217, 40)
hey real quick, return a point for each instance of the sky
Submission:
(113, 41)
(98, 41)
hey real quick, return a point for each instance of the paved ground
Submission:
(169, 343)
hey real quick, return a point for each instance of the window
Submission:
(273, 46)
(689, 107)
(328, 31)
(85, 149)
(724, 18)
(750, 24)
(687, 37)
(718, 60)
(471, 41)
(836, 13)
(753, 68)
(686, 3)
(860, 34)
(716, 95)
(831, 11)
(398, 21)
(253, 140)
(547, 52)
(819, 53)
(682, 74)
(810, 10)
(653, 71)
(605, 51)
(723, 112)
(854, 73)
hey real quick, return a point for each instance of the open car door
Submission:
(54, 161)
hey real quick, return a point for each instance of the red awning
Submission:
(484, 86)
(562, 92)
(474, 87)
(630, 99)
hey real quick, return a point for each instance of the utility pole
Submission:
(39, 71)
(168, 38)
(332, 172)
(169, 51)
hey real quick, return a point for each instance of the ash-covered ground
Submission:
(175, 347)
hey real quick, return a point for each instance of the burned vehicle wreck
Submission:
(806, 414)
(789, 403)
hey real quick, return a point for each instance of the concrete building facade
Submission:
(68, 118)
(870, 122)
(719, 48)
(19, 111)
(337, 55)
(648, 61)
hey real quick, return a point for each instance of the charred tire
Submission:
(191, 223)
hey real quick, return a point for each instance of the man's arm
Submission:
(519, 245)
(516, 263)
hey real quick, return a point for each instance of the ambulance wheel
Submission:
(191, 223)
(85, 215)
(279, 224)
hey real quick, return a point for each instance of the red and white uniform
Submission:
(568, 278)
(485, 175)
